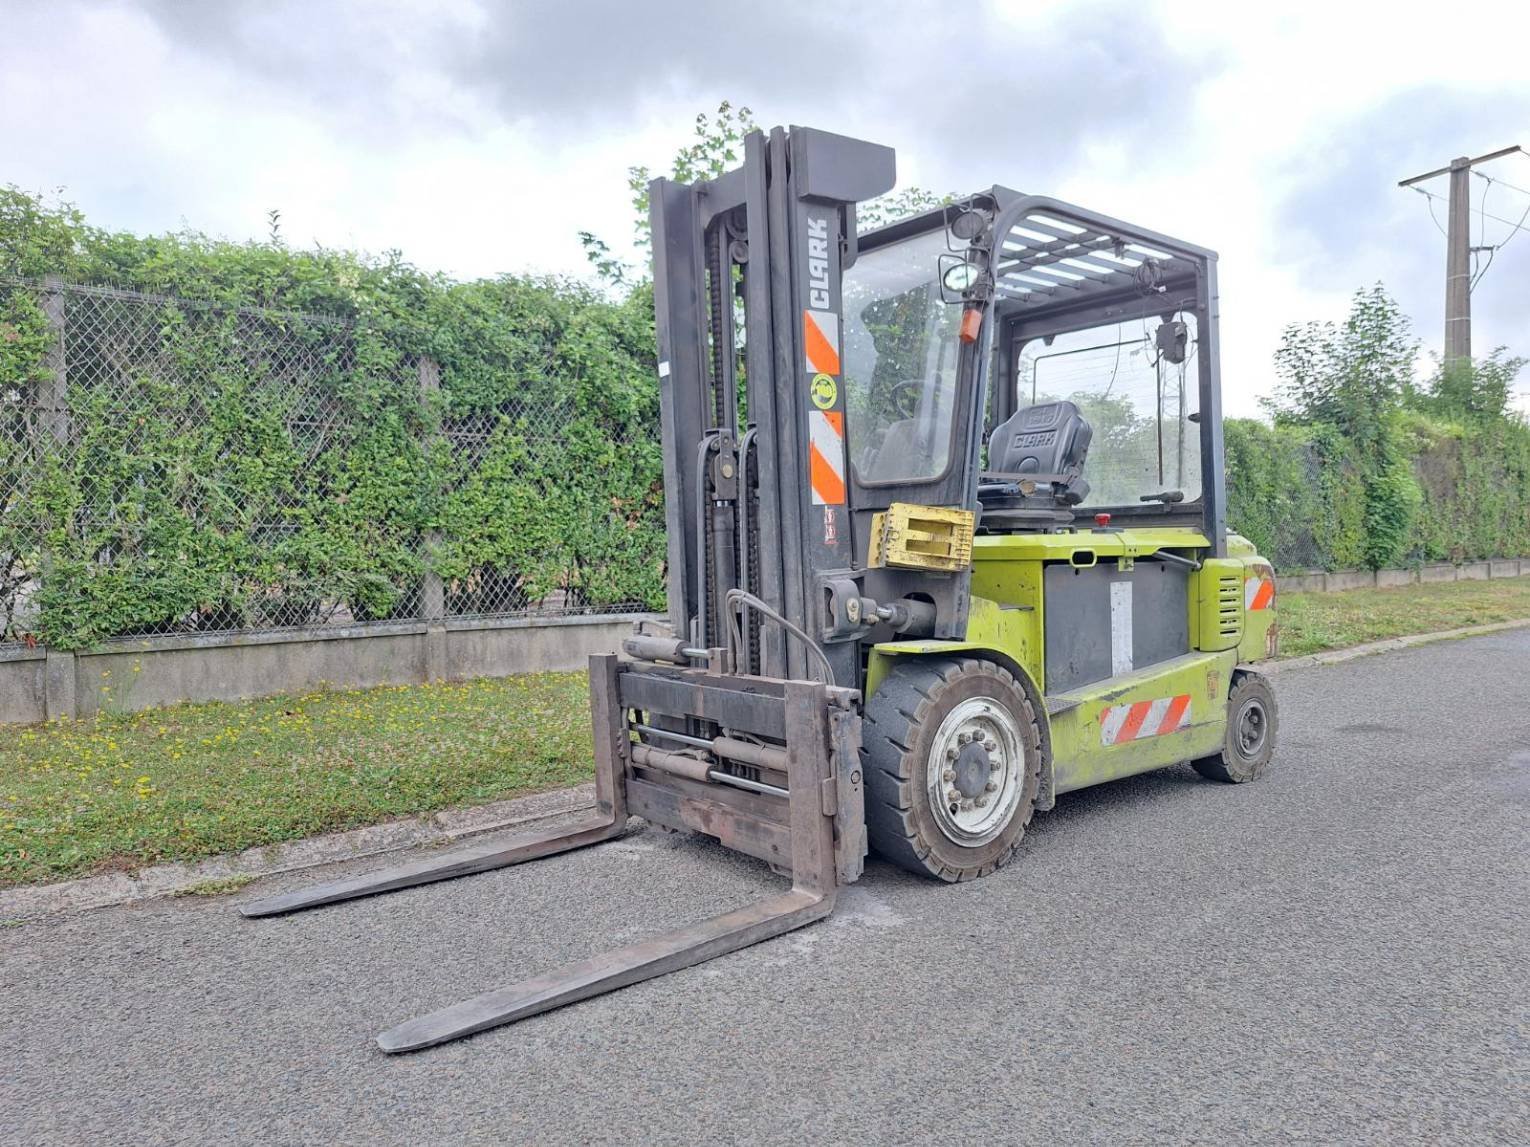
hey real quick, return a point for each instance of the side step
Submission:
(814, 827)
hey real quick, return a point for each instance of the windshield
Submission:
(1139, 402)
(900, 356)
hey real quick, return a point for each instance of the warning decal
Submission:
(1258, 593)
(826, 456)
(1122, 723)
(820, 340)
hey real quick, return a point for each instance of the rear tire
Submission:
(941, 735)
(1250, 739)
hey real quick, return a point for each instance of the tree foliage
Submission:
(1354, 374)
(1478, 390)
(1364, 466)
(717, 146)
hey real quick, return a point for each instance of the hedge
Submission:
(252, 446)
(535, 469)
(1300, 494)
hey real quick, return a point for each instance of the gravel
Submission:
(1339, 952)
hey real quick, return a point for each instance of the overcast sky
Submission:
(479, 136)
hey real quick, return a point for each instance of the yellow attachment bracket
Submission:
(907, 536)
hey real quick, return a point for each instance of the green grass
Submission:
(1312, 622)
(220, 886)
(196, 780)
(119, 792)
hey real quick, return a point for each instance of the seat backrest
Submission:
(1051, 438)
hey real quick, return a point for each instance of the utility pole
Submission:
(1458, 252)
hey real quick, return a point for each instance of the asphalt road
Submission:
(1340, 952)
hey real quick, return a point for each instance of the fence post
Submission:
(53, 386)
(60, 687)
(60, 695)
(432, 591)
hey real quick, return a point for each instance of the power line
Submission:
(1517, 227)
(1430, 194)
(1482, 227)
(1483, 270)
(1433, 217)
(1500, 182)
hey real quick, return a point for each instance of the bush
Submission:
(251, 447)
(1402, 473)
(1454, 491)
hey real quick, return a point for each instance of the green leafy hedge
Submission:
(1459, 490)
(1366, 466)
(230, 461)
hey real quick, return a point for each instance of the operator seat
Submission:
(1036, 468)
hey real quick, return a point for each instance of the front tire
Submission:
(951, 752)
(1250, 739)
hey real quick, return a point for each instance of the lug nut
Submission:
(993, 766)
(981, 802)
(948, 776)
(991, 787)
(951, 754)
(963, 738)
(991, 745)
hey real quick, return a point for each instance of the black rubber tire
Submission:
(901, 720)
(1233, 765)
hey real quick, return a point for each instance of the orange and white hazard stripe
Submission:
(826, 428)
(1258, 593)
(820, 341)
(1122, 723)
(826, 456)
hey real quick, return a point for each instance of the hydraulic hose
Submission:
(735, 636)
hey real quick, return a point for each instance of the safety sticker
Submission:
(826, 456)
(820, 341)
(824, 391)
(1258, 593)
(1122, 723)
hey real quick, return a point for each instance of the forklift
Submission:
(945, 507)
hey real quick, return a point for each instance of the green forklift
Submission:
(945, 506)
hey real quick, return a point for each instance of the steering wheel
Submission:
(905, 395)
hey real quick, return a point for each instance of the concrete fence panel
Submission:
(128, 676)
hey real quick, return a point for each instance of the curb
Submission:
(1335, 656)
(444, 827)
(451, 825)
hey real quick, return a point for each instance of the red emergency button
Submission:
(1102, 520)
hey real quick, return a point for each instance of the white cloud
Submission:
(478, 138)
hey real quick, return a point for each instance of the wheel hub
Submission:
(976, 771)
(1252, 728)
(972, 769)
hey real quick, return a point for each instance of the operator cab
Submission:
(1096, 336)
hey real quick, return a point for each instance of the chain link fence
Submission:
(173, 467)
(1299, 534)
